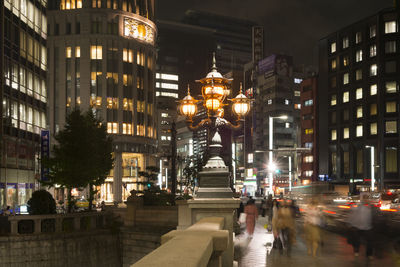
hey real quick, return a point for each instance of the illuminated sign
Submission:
(137, 29)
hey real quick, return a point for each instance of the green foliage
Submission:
(154, 197)
(82, 155)
(41, 202)
(150, 175)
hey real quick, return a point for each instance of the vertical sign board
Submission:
(44, 152)
(258, 43)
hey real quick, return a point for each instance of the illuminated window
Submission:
(127, 104)
(112, 103)
(358, 75)
(333, 64)
(372, 50)
(373, 128)
(308, 103)
(390, 47)
(169, 86)
(269, 101)
(127, 128)
(373, 89)
(373, 71)
(391, 107)
(78, 51)
(345, 42)
(140, 106)
(359, 131)
(112, 127)
(309, 131)
(359, 55)
(96, 3)
(164, 115)
(68, 52)
(308, 173)
(96, 52)
(346, 133)
(373, 109)
(308, 159)
(333, 135)
(333, 47)
(372, 31)
(168, 94)
(390, 26)
(140, 130)
(333, 100)
(345, 78)
(359, 113)
(127, 55)
(345, 61)
(171, 77)
(359, 93)
(391, 127)
(391, 87)
(345, 97)
(358, 37)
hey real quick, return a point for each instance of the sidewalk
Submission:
(258, 252)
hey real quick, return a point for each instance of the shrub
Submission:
(41, 202)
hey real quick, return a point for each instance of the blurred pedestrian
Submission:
(312, 221)
(274, 222)
(361, 223)
(251, 216)
(263, 206)
(286, 227)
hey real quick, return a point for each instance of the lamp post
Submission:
(372, 167)
(271, 147)
(214, 179)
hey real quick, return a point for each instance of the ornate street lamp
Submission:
(214, 179)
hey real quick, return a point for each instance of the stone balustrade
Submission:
(52, 223)
(200, 245)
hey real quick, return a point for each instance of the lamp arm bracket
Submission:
(221, 122)
(204, 122)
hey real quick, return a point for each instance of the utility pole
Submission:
(173, 159)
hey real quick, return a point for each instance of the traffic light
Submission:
(148, 185)
(277, 171)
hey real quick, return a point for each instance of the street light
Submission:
(372, 167)
(270, 146)
(214, 179)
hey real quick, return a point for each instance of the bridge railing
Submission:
(52, 223)
(200, 245)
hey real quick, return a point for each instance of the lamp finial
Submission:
(214, 63)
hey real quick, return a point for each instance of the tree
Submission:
(82, 156)
(41, 202)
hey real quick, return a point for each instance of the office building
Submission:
(102, 58)
(23, 65)
(358, 90)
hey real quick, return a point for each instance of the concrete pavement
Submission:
(258, 252)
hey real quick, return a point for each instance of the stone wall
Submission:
(92, 248)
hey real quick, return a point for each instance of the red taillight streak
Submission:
(344, 207)
(328, 211)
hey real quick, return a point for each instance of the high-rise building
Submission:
(23, 65)
(102, 58)
(309, 129)
(233, 38)
(274, 97)
(358, 90)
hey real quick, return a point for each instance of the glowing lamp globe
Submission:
(213, 104)
(188, 105)
(241, 104)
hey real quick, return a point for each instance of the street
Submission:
(258, 251)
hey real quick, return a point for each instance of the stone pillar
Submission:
(133, 203)
(216, 207)
(184, 215)
(117, 182)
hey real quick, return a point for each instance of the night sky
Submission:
(290, 26)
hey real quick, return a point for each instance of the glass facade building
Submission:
(102, 58)
(23, 68)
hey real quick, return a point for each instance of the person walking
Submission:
(286, 227)
(274, 222)
(361, 223)
(311, 228)
(251, 216)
